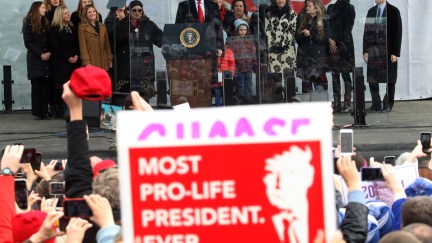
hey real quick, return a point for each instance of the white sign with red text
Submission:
(238, 174)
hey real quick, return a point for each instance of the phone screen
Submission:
(76, 208)
(371, 174)
(58, 166)
(425, 139)
(21, 194)
(391, 160)
(29, 156)
(56, 188)
(346, 142)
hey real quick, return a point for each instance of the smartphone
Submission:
(38, 161)
(76, 207)
(371, 174)
(21, 193)
(391, 160)
(29, 156)
(58, 166)
(346, 142)
(425, 139)
(56, 188)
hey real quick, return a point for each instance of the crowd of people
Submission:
(96, 181)
(275, 39)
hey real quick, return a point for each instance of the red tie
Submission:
(200, 12)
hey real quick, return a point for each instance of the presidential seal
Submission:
(190, 37)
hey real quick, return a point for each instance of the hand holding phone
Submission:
(425, 139)
(346, 142)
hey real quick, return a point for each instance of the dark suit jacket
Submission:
(394, 28)
(210, 13)
(393, 38)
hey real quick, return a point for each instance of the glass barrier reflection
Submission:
(275, 54)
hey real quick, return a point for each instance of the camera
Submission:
(76, 207)
(56, 188)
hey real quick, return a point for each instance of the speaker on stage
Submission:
(91, 113)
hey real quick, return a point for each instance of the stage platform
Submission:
(388, 133)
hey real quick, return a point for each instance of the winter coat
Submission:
(280, 34)
(139, 40)
(64, 44)
(342, 16)
(36, 44)
(312, 50)
(94, 47)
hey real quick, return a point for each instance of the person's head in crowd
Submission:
(420, 187)
(399, 237)
(24, 225)
(82, 4)
(106, 184)
(402, 158)
(136, 10)
(315, 8)
(61, 17)
(425, 172)
(281, 4)
(50, 4)
(359, 160)
(100, 166)
(36, 16)
(422, 232)
(241, 28)
(42, 189)
(417, 210)
(383, 214)
(239, 8)
(90, 14)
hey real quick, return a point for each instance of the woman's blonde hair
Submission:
(59, 16)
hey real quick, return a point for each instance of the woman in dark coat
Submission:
(342, 17)
(63, 37)
(35, 31)
(137, 34)
(112, 21)
(312, 37)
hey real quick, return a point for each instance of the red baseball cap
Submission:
(91, 83)
(103, 165)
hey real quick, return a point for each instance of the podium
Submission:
(190, 54)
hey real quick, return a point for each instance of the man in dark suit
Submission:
(187, 11)
(381, 49)
(204, 12)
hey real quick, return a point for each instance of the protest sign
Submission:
(378, 190)
(234, 174)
